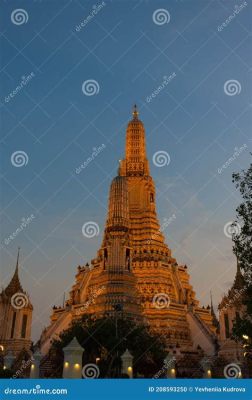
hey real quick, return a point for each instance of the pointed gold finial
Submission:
(135, 112)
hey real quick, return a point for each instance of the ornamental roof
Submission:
(14, 285)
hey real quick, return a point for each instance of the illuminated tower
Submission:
(134, 267)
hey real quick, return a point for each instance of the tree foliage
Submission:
(243, 237)
(107, 339)
(243, 250)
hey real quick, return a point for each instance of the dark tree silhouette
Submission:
(243, 250)
(100, 341)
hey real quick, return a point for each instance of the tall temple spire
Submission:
(134, 266)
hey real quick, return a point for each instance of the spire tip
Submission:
(17, 258)
(135, 112)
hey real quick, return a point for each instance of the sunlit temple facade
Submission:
(134, 272)
(133, 276)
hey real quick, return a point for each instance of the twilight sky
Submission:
(199, 118)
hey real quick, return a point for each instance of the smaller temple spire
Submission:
(17, 264)
(14, 285)
(238, 267)
(135, 112)
(211, 297)
(214, 318)
(239, 279)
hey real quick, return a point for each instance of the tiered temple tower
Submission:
(134, 272)
(15, 316)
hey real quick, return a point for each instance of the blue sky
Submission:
(57, 126)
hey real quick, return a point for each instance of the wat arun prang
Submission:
(134, 273)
